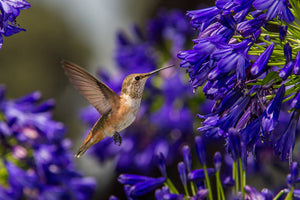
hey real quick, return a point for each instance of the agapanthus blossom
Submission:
(10, 10)
(164, 120)
(196, 184)
(248, 68)
(36, 160)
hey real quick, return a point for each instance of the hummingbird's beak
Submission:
(157, 70)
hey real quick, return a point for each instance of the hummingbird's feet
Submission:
(117, 138)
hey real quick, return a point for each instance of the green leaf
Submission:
(270, 77)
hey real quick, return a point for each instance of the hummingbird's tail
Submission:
(90, 140)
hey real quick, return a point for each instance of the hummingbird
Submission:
(117, 112)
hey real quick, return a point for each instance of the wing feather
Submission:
(95, 91)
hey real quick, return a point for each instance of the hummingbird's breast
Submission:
(127, 111)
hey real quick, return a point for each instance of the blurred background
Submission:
(80, 31)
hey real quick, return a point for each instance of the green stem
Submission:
(219, 186)
(233, 175)
(280, 194)
(193, 188)
(276, 63)
(242, 178)
(186, 190)
(207, 183)
(171, 186)
(236, 176)
(289, 196)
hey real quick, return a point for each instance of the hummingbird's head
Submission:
(134, 84)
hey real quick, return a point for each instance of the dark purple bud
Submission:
(286, 70)
(122, 39)
(182, 173)
(234, 144)
(218, 161)
(200, 16)
(45, 106)
(253, 193)
(289, 181)
(268, 194)
(165, 190)
(187, 157)
(229, 181)
(294, 173)
(244, 155)
(282, 32)
(285, 144)
(296, 193)
(142, 188)
(201, 194)
(131, 179)
(199, 174)
(287, 52)
(228, 21)
(296, 101)
(297, 64)
(161, 163)
(259, 66)
(159, 195)
(30, 98)
(269, 118)
(127, 189)
(200, 150)
(170, 196)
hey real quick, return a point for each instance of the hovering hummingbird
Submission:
(117, 112)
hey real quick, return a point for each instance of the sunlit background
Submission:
(80, 31)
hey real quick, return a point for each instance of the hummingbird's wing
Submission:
(96, 92)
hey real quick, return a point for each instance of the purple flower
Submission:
(198, 174)
(144, 187)
(131, 179)
(218, 161)
(187, 157)
(294, 173)
(200, 150)
(30, 136)
(10, 10)
(296, 69)
(161, 163)
(248, 27)
(200, 16)
(171, 26)
(234, 144)
(233, 57)
(253, 193)
(201, 194)
(275, 8)
(182, 173)
(268, 195)
(260, 64)
(282, 32)
(285, 145)
(269, 118)
(286, 71)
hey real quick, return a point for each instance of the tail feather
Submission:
(90, 140)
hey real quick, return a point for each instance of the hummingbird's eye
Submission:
(137, 78)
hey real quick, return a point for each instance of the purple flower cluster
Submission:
(36, 160)
(10, 10)
(195, 182)
(164, 120)
(247, 69)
